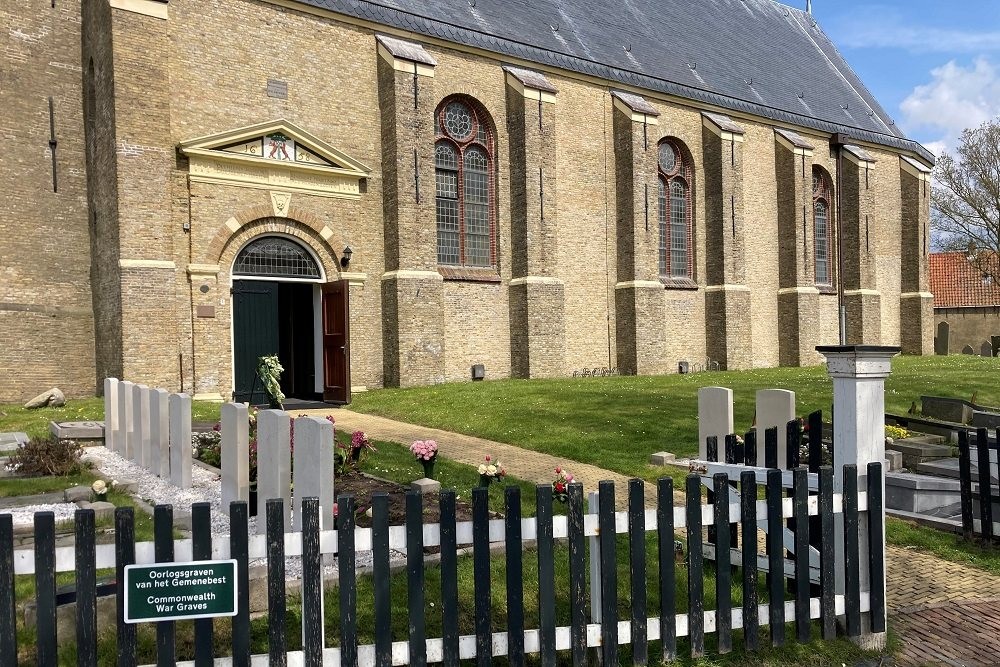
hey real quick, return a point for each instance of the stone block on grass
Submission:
(425, 485)
(78, 493)
(661, 459)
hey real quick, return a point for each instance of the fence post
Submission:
(594, 555)
(858, 373)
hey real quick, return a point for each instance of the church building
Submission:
(410, 192)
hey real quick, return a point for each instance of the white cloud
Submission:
(956, 98)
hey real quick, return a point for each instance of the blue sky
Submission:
(934, 66)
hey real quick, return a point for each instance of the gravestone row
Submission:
(150, 427)
(775, 408)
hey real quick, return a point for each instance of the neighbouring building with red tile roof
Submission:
(966, 303)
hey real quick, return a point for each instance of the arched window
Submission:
(822, 195)
(275, 257)
(675, 211)
(463, 166)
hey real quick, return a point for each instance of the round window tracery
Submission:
(275, 257)
(668, 157)
(458, 121)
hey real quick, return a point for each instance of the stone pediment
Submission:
(275, 155)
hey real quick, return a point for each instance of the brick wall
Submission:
(159, 83)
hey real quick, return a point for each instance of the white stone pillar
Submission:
(125, 419)
(235, 454)
(313, 469)
(775, 408)
(715, 417)
(110, 412)
(859, 373)
(274, 463)
(159, 432)
(140, 410)
(180, 440)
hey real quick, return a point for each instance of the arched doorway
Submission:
(282, 306)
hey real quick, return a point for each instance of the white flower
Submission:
(482, 469)
(492, 469)
(99, 487)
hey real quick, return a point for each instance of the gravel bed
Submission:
(25, 516)
(205, 487)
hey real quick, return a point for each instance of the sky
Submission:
(934, 66)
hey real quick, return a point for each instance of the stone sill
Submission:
(827, 289)
(467, 274)
(679, 283)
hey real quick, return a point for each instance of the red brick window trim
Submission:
(675, 214)
(822, 229)
(464, 172)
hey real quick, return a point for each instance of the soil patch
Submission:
(363, 487)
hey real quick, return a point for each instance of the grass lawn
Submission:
(618, 422)
(36, 422)
(947, 546)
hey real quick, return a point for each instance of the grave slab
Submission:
(775, 408)
(77, 430)
(11, 441)
(990, 420)
(915, 451)
(180, 440)
(946, 409)
(111, 432)
(125, 442)
(235, 454)
(140, 406)
(313, 468)
(715, 416)
(159, 433)
(893, 460)
(274, 462)
(920, 493)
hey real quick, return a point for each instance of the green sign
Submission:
(179, 591)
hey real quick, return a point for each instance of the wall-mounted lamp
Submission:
(345, 257)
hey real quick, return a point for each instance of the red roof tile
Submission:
(956, 283)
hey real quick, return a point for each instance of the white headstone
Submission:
(110, 412)
(125, 419)
(235, 454)
(274, 463)
(715, 417)
(313, 467)
(775, 408)
(180, 440)
(159, 432)
(141, 447)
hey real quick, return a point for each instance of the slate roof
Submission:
(753, 56)
(956, 283)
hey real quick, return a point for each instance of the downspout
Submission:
(837, 141)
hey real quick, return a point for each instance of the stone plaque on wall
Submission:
(277, 89)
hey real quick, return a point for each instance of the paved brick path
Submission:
(944, 613)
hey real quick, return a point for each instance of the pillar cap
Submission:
(858, 361)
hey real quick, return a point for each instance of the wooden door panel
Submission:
(336, 342)
(255, 334)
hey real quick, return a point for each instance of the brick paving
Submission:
(944, 613)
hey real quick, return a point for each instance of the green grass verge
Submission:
(36, 422)
(948, 546)
(10, 487)
(617, 422)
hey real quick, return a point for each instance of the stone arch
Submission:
(271, 225)
(298, 222)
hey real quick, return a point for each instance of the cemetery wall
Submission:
(164, 245)
(969, 326)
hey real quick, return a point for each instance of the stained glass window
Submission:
(275, 257)
(678, 229)
(464, 176)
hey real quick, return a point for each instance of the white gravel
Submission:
(206, 486)
(25, 516)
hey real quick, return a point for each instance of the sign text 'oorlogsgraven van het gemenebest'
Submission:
(179, 591)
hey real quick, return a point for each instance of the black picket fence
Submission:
(979, 491)
(761, 622)
(809, 432)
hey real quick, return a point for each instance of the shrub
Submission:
(47, 456)
(896, 432)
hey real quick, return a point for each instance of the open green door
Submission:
(255, 334)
